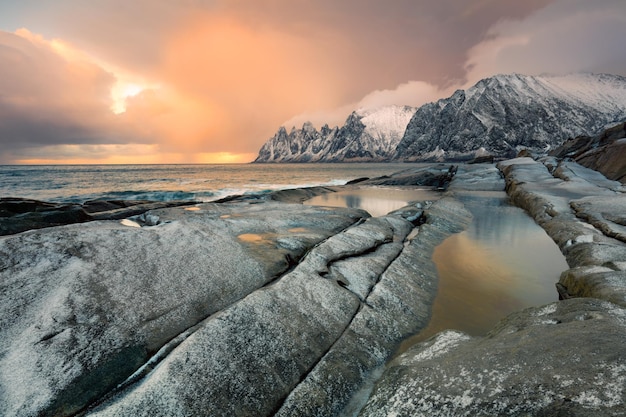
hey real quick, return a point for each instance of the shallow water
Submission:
(502, 263)
(377, 201)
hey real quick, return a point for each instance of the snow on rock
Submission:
(499, 116)
(367, 135)
(397, 306)
(307, 331)
(566, 359)
(84, 306)
(506, 113)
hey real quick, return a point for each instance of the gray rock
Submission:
(436, 175)
(563, 359)
(476, 178)
(503, 114)
(396, 307)
(84, 306)
(597, 282)
(248, 358)
(367, 135)
(607, 214)
(496, 118)
(582, 212)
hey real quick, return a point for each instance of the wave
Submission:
(148, 195)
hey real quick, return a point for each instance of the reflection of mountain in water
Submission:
(503, 262)
(496, 222)
(353, 201)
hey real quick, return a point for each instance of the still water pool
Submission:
(377, 201)
(503, 262)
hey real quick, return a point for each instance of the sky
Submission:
(209, 81)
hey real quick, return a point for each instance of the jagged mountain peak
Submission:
(499, 115)
(367, 135)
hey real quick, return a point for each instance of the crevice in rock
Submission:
(358, 253)
(292, 263)
(362, 303)
(153, 361)
(306, 374)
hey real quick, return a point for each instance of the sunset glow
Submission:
(210, 83)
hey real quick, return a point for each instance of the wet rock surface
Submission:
(566, 358)
(582, 211)
(86, 305)
(286, 308)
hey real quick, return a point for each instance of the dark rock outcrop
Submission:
(18, 215)
(605, 152)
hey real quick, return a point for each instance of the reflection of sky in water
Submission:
(377, 201)
(502, 263)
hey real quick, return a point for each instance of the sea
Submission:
(80, 183)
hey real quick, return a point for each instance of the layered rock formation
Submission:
(605, 152)
(250, 307)
(566, 358)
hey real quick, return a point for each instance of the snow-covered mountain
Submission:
(506, 113)
(499, 116)
(367, 135)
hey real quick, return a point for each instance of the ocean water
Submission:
(79, 183)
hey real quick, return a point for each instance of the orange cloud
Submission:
(233, 84)
(211, 81)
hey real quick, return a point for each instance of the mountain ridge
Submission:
(498, 116)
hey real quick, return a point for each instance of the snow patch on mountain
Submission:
(499, 116)
(367, 135)
(506, 113)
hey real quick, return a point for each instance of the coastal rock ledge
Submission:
(262, 306)
(232, 309)
(563, 359)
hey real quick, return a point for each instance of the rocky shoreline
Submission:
(259, 305)
(562, 359)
